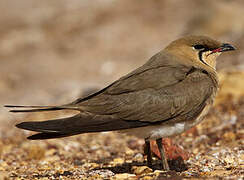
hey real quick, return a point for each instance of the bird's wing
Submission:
(161, 70)
(183, 100)
(160, 90)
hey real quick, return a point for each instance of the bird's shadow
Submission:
(177, 165)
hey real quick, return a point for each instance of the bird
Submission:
(164, 97)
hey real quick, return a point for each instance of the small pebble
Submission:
(124, 176)
(139, 170)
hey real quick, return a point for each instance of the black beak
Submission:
(227, 47)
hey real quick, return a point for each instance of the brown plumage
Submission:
(167, 95)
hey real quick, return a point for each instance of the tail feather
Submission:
(40, 136)
(78, 124)
(23, 106)
(63, 125)
(36, 108)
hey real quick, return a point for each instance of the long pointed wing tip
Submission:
(14, 111)
(31, 137)
(13, 106)
(17, 106)
(10, 106)
(19, 125)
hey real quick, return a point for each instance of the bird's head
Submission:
(200, 50)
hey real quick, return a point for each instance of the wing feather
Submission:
(160, 90)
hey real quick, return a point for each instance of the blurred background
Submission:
(52, 52)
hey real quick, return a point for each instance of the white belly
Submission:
(155, 132)
(165, 129)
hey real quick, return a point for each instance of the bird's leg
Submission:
(162, 154)
(148, 153)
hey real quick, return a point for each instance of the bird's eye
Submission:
(198, 47)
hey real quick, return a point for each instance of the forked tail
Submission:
(18, 109)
